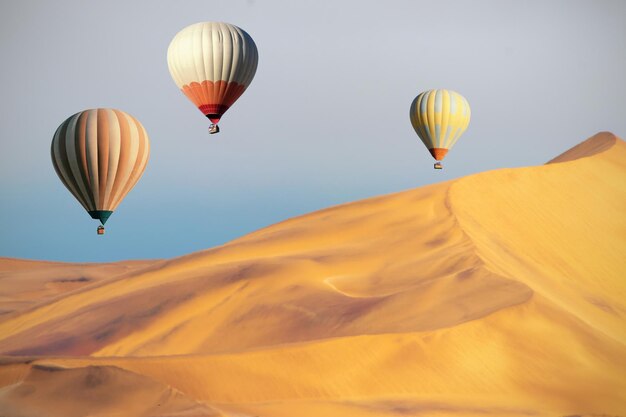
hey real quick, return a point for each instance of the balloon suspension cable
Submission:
(214, 128)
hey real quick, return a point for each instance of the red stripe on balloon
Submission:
(213, 98)
(213, 108)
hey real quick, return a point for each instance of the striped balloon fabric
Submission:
(212, 63)
(99, 155)
(439, 118)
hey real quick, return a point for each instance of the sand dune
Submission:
(49, 390)
(25, 283)
(501, 293)
(596, 144)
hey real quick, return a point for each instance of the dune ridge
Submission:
(500, 293)
(596, 144)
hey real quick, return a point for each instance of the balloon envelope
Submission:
(213, 63)
(99, 155)
(439, 118)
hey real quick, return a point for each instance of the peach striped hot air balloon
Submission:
(99, 155)
(439, 118)
(213, 63)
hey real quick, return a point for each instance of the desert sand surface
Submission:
(25, 283)
(497, 294)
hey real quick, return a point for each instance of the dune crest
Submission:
(598, 143)
(500, 293)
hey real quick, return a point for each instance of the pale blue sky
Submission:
(324, 122)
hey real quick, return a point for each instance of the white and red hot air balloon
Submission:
(212, 63)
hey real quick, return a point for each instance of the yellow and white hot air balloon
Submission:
(439, 118)
(99, 155)
(213, 63)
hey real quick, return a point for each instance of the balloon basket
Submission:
(213, 129)
(100, 230)
(438, 165)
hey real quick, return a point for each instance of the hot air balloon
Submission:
(213, 63)
(99, 155)
(439, 118)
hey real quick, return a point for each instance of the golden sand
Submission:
(497, 294)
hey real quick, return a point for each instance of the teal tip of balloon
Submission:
(102, 215)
